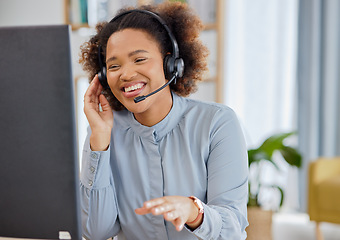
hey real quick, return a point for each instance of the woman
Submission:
(164, 167)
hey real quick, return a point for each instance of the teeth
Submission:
(134, 87)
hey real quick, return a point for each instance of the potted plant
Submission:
(257, 157)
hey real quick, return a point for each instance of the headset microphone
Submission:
(141, 98)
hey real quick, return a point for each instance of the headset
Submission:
(173, 65)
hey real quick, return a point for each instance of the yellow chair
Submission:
(324, 192)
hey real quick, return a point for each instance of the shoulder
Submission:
(209, 120)
(208, 117)
(208, 110)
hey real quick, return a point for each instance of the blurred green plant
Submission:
(265, 152)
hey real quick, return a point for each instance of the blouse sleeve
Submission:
(98, 197)
(225, 213)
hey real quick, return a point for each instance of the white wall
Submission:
(31, 12)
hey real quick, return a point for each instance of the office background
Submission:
(280, 72)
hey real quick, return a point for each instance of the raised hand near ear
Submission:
(100, 120)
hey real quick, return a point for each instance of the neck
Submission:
(157, 112)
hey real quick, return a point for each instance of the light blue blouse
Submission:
(197, 149)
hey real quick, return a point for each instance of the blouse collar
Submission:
(159, 130)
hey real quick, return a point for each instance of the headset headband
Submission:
(174, 44)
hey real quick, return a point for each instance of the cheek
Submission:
(112, 79)
(113, 85)
(157, 70)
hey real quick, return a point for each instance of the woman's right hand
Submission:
(101, 121)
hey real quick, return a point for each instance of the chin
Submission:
(136, 107)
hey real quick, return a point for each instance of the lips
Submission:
(133, 89)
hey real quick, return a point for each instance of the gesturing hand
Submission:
(100, 121)
(176, 209)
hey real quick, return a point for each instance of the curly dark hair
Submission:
(183, 23)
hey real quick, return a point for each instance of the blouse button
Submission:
(94, 155)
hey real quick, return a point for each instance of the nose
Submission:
(127, 73)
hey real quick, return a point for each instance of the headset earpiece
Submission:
(102, 78)
(173, 65)
(102, 70)
(169, 66)
(179, 63)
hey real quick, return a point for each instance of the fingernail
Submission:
(147, 205)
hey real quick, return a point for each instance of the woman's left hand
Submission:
(176, 209)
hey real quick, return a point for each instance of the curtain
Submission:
(318, 79)
(260, 75)
(260, 67)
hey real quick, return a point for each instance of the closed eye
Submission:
(113, 67)
(140, 60)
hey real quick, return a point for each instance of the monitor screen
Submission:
(39, 164)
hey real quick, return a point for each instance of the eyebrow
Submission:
(129, 55)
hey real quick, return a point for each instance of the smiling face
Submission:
(134, 68)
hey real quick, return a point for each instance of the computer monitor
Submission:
(39, 165)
